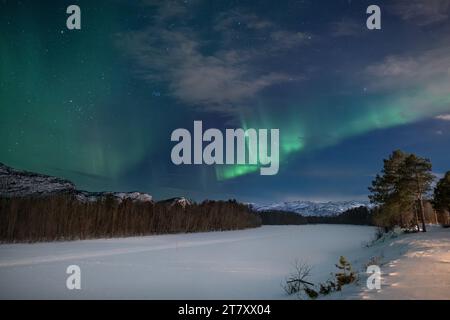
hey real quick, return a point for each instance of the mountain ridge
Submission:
(22, 183)
(312, 208)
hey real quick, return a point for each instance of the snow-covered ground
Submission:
(413, 266)
(247, 264)
(243, 264)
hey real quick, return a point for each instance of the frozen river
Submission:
(247, 264)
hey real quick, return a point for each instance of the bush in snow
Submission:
(346, 274)
(297, 282)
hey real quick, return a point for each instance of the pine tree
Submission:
(384, 185)
(394, 207)
(346, 274)
(441, 199)
(399, 190)
(415, 181)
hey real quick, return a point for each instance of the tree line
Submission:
(403, 188)
(63, 217)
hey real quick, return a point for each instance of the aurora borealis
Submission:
(97, 105)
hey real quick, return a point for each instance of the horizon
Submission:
(317, 201)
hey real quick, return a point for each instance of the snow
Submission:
(245, 264)
(311, 208)
(19, 183)
(85, 196)
(179, 201)
(413, 266)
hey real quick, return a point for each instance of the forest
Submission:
(63, 217)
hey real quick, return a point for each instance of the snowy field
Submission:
(247, 264)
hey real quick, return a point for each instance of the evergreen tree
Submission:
(441, 199)
(415, 181)
(393, 206)
(384, 185)
(399, 190)
(346, 274)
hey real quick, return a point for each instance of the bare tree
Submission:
(297, 282)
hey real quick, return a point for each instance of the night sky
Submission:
(97, 105)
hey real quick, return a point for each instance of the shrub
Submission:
(346, 276)
(327, 287)
(297, 281)
(311, 293)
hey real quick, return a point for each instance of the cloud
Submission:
(212, 80)
(421, 12)
(230, 19)
(262, 32)
(282, 39)
(347, 28)
(425, 68)
(167, 9)
(395, 66)
(214, 83)
(444, 117)
(415, 85)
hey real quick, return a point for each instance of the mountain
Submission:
(310, 208)
(179, 201)
(19, 183)
(86, 196)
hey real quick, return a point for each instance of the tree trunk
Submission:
(422, 215)
(422, 209)
(416, 215)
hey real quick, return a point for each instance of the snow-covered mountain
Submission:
(179, 201)
(18, 183)
(310, 208)
(85, 196)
